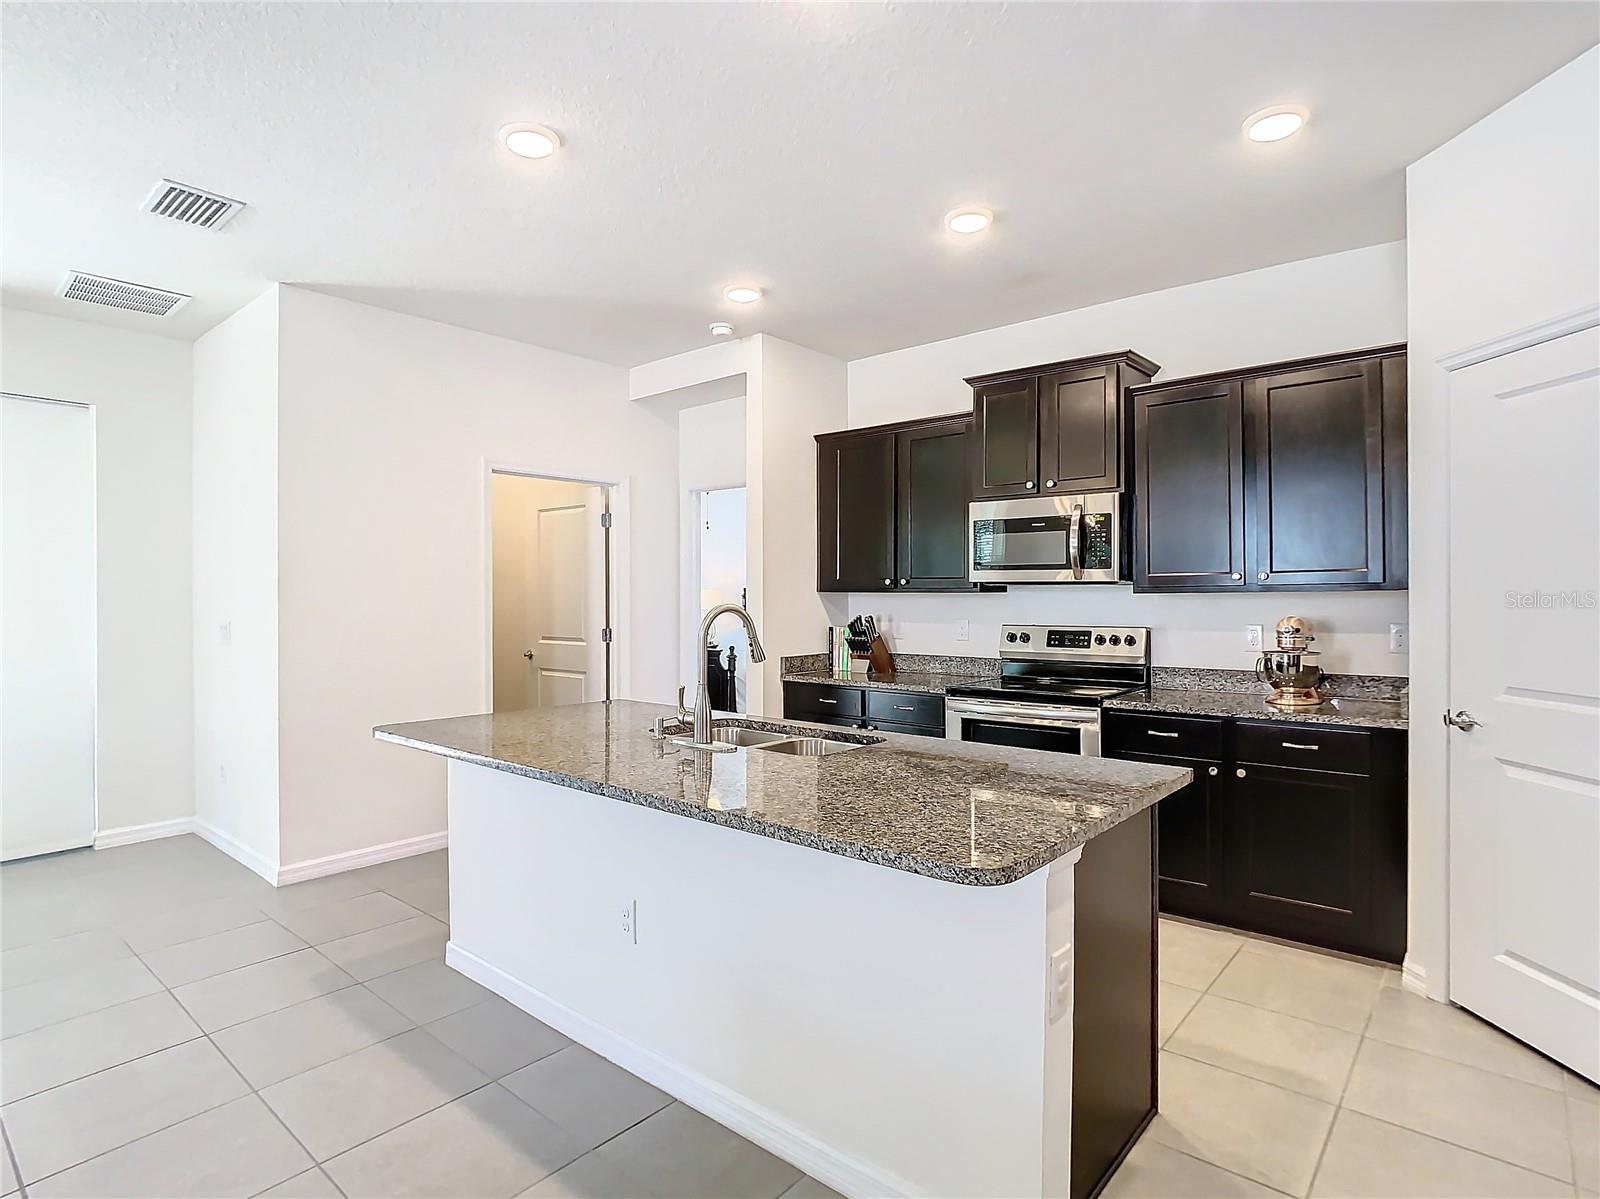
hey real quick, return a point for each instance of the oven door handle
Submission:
(1048, 716)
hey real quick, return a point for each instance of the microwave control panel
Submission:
(1097, 541)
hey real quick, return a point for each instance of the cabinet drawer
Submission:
(912, 730)
(1170, 736)
(803, 700)
(906, 707)
(1306, 746)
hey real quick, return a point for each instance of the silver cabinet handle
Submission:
(820, 700)
(1049, 482)
(888, 582)
(1461, 719)
(1297, 745)
(1029, 484)
(1211, 771)
(1237, 575)
(1239, 772)
(1262, 575)
(904, 708)
(1158, 733)
(902, 582)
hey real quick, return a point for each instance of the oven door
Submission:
(1056, 728)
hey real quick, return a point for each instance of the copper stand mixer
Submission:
(1292, 670)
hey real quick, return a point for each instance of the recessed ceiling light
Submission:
(721, 329)
(1276, 123)
(968, 220)
(742, 295)
(530, 141)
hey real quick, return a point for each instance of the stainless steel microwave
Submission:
(1048, 539)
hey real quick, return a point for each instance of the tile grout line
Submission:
(1338, 1106)
(1195, 1157)
(11, 1156)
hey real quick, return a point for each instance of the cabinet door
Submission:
(1300, 854)
(931, 537)
(855, 512)
(1078, 431)
(1006, 439)
(1315, 445)
(1189, 840)
(1189, 532)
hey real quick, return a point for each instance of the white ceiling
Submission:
(810, 149)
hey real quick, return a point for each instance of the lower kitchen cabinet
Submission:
(1268, 840)
(918, 713)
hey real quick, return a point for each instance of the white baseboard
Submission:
(338, 863)
(130, 834)
(846, 1175)
(237, 850)
(1413, 977)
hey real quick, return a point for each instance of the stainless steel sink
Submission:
(811, 747)
(747, 737)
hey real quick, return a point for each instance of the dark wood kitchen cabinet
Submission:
(1284, 477)
(1058, 428)
(1291, 829)
(892, 507)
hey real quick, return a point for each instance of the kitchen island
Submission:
(915, 967)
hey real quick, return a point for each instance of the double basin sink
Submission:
(804, 743)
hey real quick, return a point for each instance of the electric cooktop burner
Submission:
(1050, 690)
(1083, 666)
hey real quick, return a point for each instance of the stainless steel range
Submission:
(1053, 680)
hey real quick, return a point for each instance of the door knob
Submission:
(1240, 772)
(528, 654)
(1262, 575)
(1461, 719)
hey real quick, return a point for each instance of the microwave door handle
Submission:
(1075, 540)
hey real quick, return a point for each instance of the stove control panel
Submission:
(1069, 642)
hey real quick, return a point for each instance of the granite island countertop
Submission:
(978, 815)
(1344, 710)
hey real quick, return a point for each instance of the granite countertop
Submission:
(900, 680)
(1355, 712)
(979, 815)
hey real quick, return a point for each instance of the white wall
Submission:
(139, 385)
(387, 425)
(711, 455)
(1337, 302)
(1501, 233)
(236, 634)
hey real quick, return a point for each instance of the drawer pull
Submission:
(1297, 745)
(904, 708)
(1157, 733)
(1212, 771)
(820, 700)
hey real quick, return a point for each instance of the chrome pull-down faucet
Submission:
(702, 699)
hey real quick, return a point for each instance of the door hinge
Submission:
(605, 636)
(605, 520)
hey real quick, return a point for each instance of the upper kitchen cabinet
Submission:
(1283, 477)
(892, 507)
(1058, 428)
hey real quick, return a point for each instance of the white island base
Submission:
(887, 1033)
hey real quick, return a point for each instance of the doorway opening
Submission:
(47, 576)
(720, 551)
(550, 591)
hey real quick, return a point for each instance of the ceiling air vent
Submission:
(191, 205)
(118, 293)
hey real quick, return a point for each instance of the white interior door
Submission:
(1525, 664)
(47, 639)
(568, 609)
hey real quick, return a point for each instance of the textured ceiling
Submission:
(809, 149)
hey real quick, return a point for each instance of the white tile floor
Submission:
(173, 1026)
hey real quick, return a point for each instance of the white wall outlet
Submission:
(963, 630)
(1399, 638)
(1059, 983)
(225, 632)
(630, 920)
(1252, 636)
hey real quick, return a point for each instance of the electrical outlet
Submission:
(225, 632)
(1059, 983)
(630, 920)
(1252, 636)
(1399, 638)
(963, 630)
